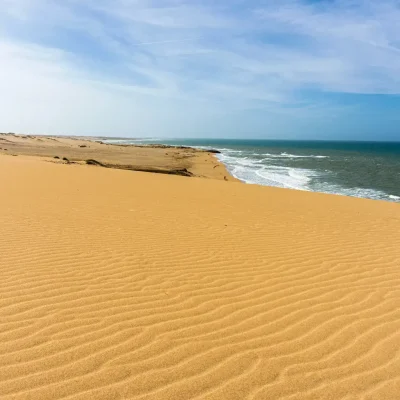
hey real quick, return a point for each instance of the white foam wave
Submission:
(287, 155)
(358, 192)
(147, 140)
(286, 177)
(230, 151)
(298, 156)
(248, 162)
(251, 171)
(131, 141)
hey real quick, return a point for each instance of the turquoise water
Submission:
(360, 169)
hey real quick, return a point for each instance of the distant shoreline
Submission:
(155, 158)
(356, 169)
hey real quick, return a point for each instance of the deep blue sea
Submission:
(361, 169)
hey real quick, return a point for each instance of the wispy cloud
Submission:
(163, 42)
(199, 59)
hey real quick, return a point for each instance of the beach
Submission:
(122, 284)
(365, 169)
(174, 160)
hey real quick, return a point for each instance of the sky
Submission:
(282, 69)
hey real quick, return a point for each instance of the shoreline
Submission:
(164, 159)
(288, 167)
(157, 158)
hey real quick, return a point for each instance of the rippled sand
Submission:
(127, 285)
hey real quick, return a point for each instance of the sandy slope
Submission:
(172, 160)
(127, 285)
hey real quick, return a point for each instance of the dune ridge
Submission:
(126, 285)
(154, 158)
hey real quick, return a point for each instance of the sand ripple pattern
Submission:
(121, 285)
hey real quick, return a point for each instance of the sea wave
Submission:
(257, 171)
(252, 171)
(267, 155)
(259, 168)
(359, 192)
(288, 155)
(131, 141)
(395, 198)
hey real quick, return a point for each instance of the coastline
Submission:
(175, 160)
(334, 167)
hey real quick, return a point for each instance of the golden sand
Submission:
(129, 285)
(150, 158)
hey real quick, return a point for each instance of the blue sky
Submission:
(290, 69)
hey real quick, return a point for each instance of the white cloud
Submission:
(184, 62)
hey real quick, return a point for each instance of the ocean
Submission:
(360, 169)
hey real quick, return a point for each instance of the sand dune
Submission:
(152, 158)
(127, 285)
